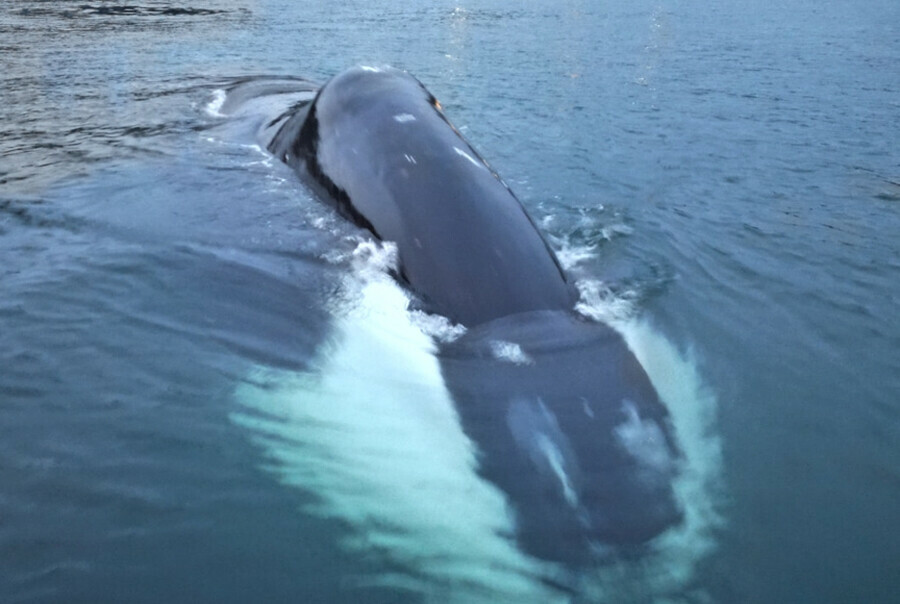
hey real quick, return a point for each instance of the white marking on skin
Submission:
(409, 158)
(587, 410)
(555, 459)
(537, 433)
(372, 69)
(468, 157)
(404, 117)
(510, 352)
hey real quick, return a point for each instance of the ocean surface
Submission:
(211, 390)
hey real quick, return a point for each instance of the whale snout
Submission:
(628, 512)
(601, 489)
(571, 429)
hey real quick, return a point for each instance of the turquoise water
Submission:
(722, 179)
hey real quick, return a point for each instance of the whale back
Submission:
(378, 145)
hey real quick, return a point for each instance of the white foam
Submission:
(370, 430)
(698, 485)
(664, 572)
(254, 109)
(214, 107)
(373, 261)
(573, 247)
(570, 255)
(438, 327)
(510, 352)
(598, 302)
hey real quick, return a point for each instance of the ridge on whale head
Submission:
(379, 145)
(568, 426)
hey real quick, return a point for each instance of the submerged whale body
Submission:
(565, 419)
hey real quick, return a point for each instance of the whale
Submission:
(410, 178)
(566, 422)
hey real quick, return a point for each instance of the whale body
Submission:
(565, 419)
(381, 148)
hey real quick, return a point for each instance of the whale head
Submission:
(570, 428)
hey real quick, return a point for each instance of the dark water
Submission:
(723, 178)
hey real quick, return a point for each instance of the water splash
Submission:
(370, 430)
(214, 107)
(666, 571)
